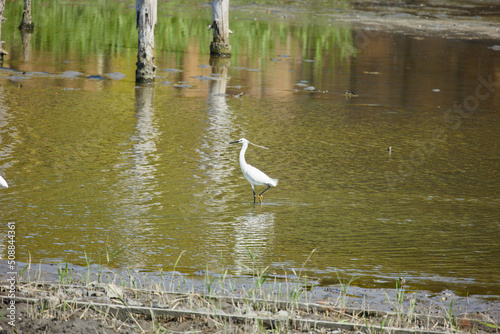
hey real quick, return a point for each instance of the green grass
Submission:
(65, 274)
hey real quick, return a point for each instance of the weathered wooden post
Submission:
(146, 21)
(26, 23)
(220, 46)
(2, 9)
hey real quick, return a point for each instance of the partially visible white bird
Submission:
(3, 183)
(252, 174)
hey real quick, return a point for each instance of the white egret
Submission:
(3, 183)
(252, 174)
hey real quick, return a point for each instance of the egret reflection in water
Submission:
(253, 236)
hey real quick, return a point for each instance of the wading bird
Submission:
(252, 174)
(3, 183)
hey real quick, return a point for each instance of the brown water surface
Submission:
(98, 166)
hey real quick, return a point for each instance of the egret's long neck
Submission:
(242, 155)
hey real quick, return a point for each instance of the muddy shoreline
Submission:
(445, 28)
(470, 20)
(45, 293)
(466, 20)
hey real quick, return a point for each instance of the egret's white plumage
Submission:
(3, 183)
(254, 176)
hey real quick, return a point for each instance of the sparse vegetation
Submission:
(172, 304)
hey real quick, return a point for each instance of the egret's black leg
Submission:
(263, 191)
(260, 195)
(253, 197)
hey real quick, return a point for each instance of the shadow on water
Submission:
(96, 164)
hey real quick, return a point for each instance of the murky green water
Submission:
(98, 166)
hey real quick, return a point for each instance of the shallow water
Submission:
(98, 166)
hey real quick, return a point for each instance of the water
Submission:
(146, 174)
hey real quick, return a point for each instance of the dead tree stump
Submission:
(2, 9)
(220, 46)
(26, 23)
(146, 17)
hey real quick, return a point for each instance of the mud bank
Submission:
(61, 298)
(447, 19)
